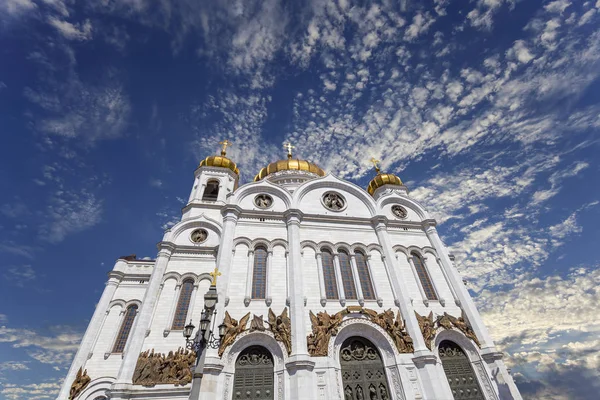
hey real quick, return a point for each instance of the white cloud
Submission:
(520, 52)
(33, 391)
(13, 366)
(69, 213)
(16, 7)
(20, 275)
(81, 31)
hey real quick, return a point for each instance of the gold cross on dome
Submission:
(375, 163)
(224, 145)
(289, 148)
(214, 275)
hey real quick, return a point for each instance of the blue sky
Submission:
(489, 110)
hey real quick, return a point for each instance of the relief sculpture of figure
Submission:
(257, 324)
(81, 381)
(232, 330)
(461, 324)
(156, 368)
(427, 328)
(403, 341)
(281, 327)
(323, 327)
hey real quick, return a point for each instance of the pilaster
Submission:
(455, 281)
(86, 345)
(300, 365)
(142, 322)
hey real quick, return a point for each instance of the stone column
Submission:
(87, 343)
(338, 278)
(141, 325)
(319, 257)
(424, 359)
(249, 276)
(212, 362)
(357, 281)
(269, 280)
(299, 363)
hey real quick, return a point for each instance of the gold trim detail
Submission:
(289, 165)
(219, 161)
(383, 179)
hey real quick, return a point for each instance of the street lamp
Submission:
(204, 337)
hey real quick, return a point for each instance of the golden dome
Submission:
(289, 165)
(219, 161)
(382, 179)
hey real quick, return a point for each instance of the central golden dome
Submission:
(289, 165)
(382, 179)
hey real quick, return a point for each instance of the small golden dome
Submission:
(289, 165)
(383, 179)
(219, 161)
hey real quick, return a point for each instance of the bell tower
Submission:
(215, 178)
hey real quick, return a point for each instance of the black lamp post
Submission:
(204, 337)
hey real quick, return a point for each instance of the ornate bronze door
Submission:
(363, 374)
(253, 375)
(459, 372)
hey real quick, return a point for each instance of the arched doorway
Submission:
(363, 374)
(459, 372)
(253, 375)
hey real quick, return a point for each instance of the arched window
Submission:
(366, 284)
(254, 374)
(259, 273)
(183, 304)
(363, 373)
(459, 372)
(331, 290)
(347, 278)
(424, 277)
(211, 192)
(125, 328)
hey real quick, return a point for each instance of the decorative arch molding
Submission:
(326, 245)
(258, 242)
(262, 186)
(415, 249)
(124, 303)
(197, 222)
(310, 245)
(430, 250)
(331, 181)
(247, 339)
(172, 275)
(374, 247)
(362, 327)
(361, 247)
(279, 242)
(189, 275)
(342, 246)
(117, 302)
(242, 240)
(477, 362)
(405, 201)
(204, 277)
(98, 387)
(401, 249)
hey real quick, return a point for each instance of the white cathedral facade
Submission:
(323, 290)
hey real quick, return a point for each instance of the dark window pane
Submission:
(331, 290)
(125, 329)
(424, 277)
(347, 278)
(365, 278)
(185, 295)
(259, 274)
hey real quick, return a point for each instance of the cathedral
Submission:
(297, 285)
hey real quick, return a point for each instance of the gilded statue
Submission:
(81, 381)
(394, 326)
(232, 330)
(427, 328)
(157, 368)
(447, 321)
(323, 327)
(257, 324)
(281, 327)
